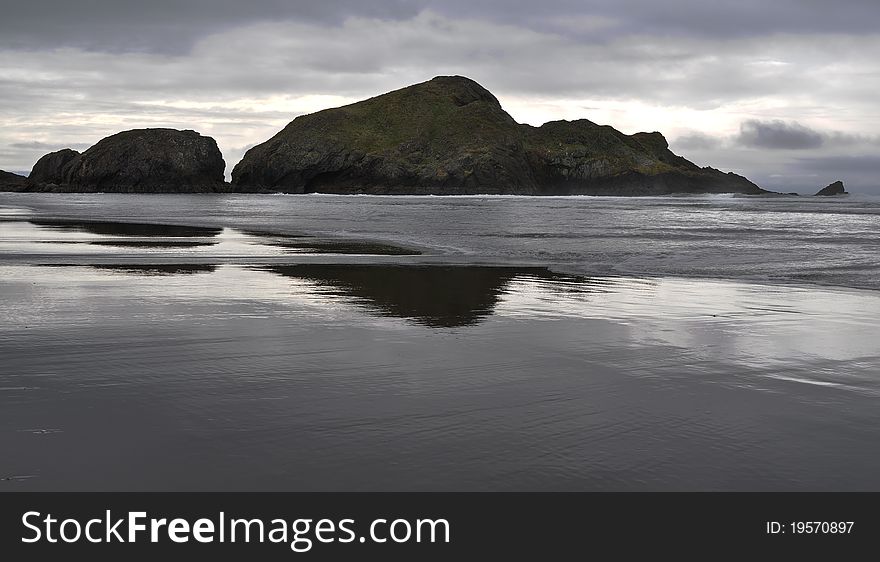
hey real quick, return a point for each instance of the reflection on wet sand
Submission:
(436, 296)
(167, 236)
(223, 380)
(136, 369)
(306, 245)
(150, 243)
(108, 228)
(158, 269)
(267, 234)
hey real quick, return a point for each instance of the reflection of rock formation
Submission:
(436, 296)
(157, 244)
(127, 228)
(158, 269)
(310, 245)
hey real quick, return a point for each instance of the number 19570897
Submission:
(810, 527)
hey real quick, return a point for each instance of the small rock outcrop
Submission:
(835, 188)
(450, 135)
(50, 168)
(147, 161)
(12, 182)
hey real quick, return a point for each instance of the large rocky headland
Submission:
(450, 135)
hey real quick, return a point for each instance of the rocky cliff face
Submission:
(835, 188)
(50, 168)
(581, 157)
(138, 161)
(450, 136)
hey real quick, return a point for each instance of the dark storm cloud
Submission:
(558, 48)
(166, 26)
(741, 18)
(778, 135)
(782, 135)
(173, 26)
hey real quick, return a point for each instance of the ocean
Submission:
(317, 342)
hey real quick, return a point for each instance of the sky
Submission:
(783, 92)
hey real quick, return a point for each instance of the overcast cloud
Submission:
(783, 92)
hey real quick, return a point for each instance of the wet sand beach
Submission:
(392, 345)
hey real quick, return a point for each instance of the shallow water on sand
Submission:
(276, 356)
(820, 240)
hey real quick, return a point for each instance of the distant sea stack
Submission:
(12, 182)
(451, 136)
(835, 188)
(136, 161)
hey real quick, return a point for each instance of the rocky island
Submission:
(136, 161)
(450, 135)
(835, 188)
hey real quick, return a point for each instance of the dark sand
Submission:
(230, 364)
